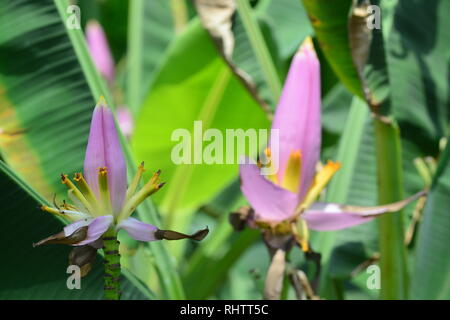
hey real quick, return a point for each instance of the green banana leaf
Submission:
(330, 22)
(151, 30)
(416, 54)
(193, 85)
(294, 29)
(45, 103)
(431, 276)
(40, 273)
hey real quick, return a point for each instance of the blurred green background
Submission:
(167, 65)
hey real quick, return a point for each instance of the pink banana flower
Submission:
(99, 50)
(125, 121)
(104, 62)
(100, 198)
(284, 203)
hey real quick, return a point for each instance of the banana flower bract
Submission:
(99, 50)
(104, 62)
(101, 204)
(283, 204)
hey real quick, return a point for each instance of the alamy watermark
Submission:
(74, 280)
(73, 20)
(373, 282)
(374, 17)
(214, 146)
(74, 17)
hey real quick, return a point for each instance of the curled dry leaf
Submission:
(392, 207)
(83, 257)
(360, 40)
(216, 17)
(77, 236)
(275, 275)
(302, 287)
(239, 219)
(274, 242)
(360, 34)
(173, 235)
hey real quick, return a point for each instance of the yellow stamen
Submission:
(54, 211)
(307, 44)
(66, 214)
(320, 181)
(135, 182)
(154, 180)
(150, 188)
(269, 164)
(67, 206)
(301, 234)
(105, 198)
(101, 100)
(291, 179)
(77, 205)
(77, 193)
(86, 190)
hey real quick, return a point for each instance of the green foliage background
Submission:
(169, 73)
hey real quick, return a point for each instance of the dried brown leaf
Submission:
(275, 275)
(216, 17)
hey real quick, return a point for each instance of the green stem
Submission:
(393, 263)
(285, 291)
(96, 83)
(135, 44)
(286, 283)
(260, 48)
(180, 15)
(112, 265)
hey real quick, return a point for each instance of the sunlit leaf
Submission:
(194, 85)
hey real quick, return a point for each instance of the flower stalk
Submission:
(393, 262)
(101, 205)
(112, 265)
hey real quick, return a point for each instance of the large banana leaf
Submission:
(45, 102)
(40, 273)
(294, 29)
(431, 277)
(193, 85)
(416, 54)
(330, 22)
(151, 29)
(335, 108)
